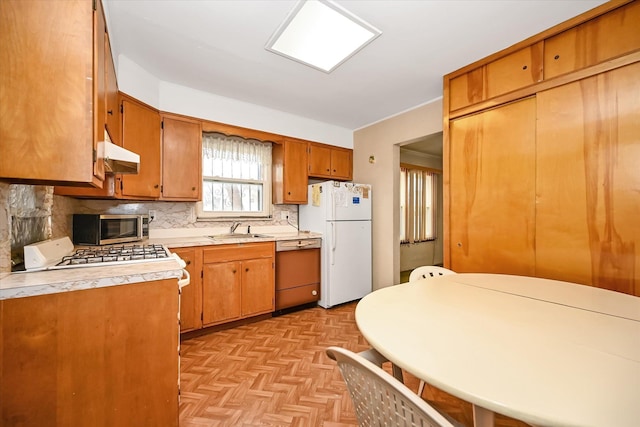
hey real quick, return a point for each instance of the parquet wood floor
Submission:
(275, 373)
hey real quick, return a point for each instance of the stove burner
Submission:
(114, 253)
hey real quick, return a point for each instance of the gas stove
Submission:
(60, 253)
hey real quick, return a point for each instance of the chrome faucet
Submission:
(234, 226)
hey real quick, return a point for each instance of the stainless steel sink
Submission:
(238, 236)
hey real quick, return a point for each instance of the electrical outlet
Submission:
(152, 215)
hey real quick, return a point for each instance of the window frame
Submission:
(436, 175)
(267, 182)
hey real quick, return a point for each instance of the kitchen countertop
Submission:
(24, 284)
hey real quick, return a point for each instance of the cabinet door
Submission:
(113, 111)
(48, 91)
(141, 134)
(91, 357)
(341, 164)
(191, 295)
(221, 292)
(516, 70)
(258, 287)
(295, 172)
(181, 159)
(588, 181)
(608, 36)
(492, 194)
(319, 161)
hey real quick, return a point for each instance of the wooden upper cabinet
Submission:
(514, 71)
(466, 89)
(49, 87)
(341, 163)
(112, 108)
(141, 134)
(181, 158)
(611, 35)
(326, 161)
(289, 160)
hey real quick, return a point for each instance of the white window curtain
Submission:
(417, 205)
(236, 175)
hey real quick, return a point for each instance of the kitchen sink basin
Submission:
(238, 236)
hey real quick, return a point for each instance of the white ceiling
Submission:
(217, 46)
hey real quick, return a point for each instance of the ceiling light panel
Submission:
(321, 34)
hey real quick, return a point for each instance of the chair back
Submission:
(381, 400)
(427, 271)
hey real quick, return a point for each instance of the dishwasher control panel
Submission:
(293, 245)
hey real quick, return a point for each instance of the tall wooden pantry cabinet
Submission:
(542, 155)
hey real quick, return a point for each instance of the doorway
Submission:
(425, 152)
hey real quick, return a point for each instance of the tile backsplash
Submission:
(34, 212)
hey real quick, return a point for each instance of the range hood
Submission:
(118, 159)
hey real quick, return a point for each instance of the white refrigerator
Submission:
(341, 211)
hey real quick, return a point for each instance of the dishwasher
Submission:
(297, 272)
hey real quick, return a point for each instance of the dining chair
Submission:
(425, 272)
(381, 400)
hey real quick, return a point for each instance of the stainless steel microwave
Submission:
(95, 229)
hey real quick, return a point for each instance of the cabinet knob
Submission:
(193, 188)
(328, 170)
(246, 269)
(188, 262)
(233, 271)
(524, 67)
(556, 57)
(110, 112)
(459, 244)
(314, 292)
(156, 186)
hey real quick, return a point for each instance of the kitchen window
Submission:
(418, 191)
(236, 177)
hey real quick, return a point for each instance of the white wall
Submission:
(137, 82)
(381, 140)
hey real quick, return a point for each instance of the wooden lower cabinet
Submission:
(99, 357)
(191, 295)
(229, 282)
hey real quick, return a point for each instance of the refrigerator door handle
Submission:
(333, 242)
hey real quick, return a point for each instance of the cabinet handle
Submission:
(556, 57)
(524, 67)
(110, 112)
(156, 186)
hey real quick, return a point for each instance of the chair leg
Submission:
(397, 372)
(420, 388)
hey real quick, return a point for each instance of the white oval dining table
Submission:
(546, 352)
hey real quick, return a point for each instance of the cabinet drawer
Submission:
(466, 89)
(514, 71)
(297, 296)
(613, 34)
(240, 251)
